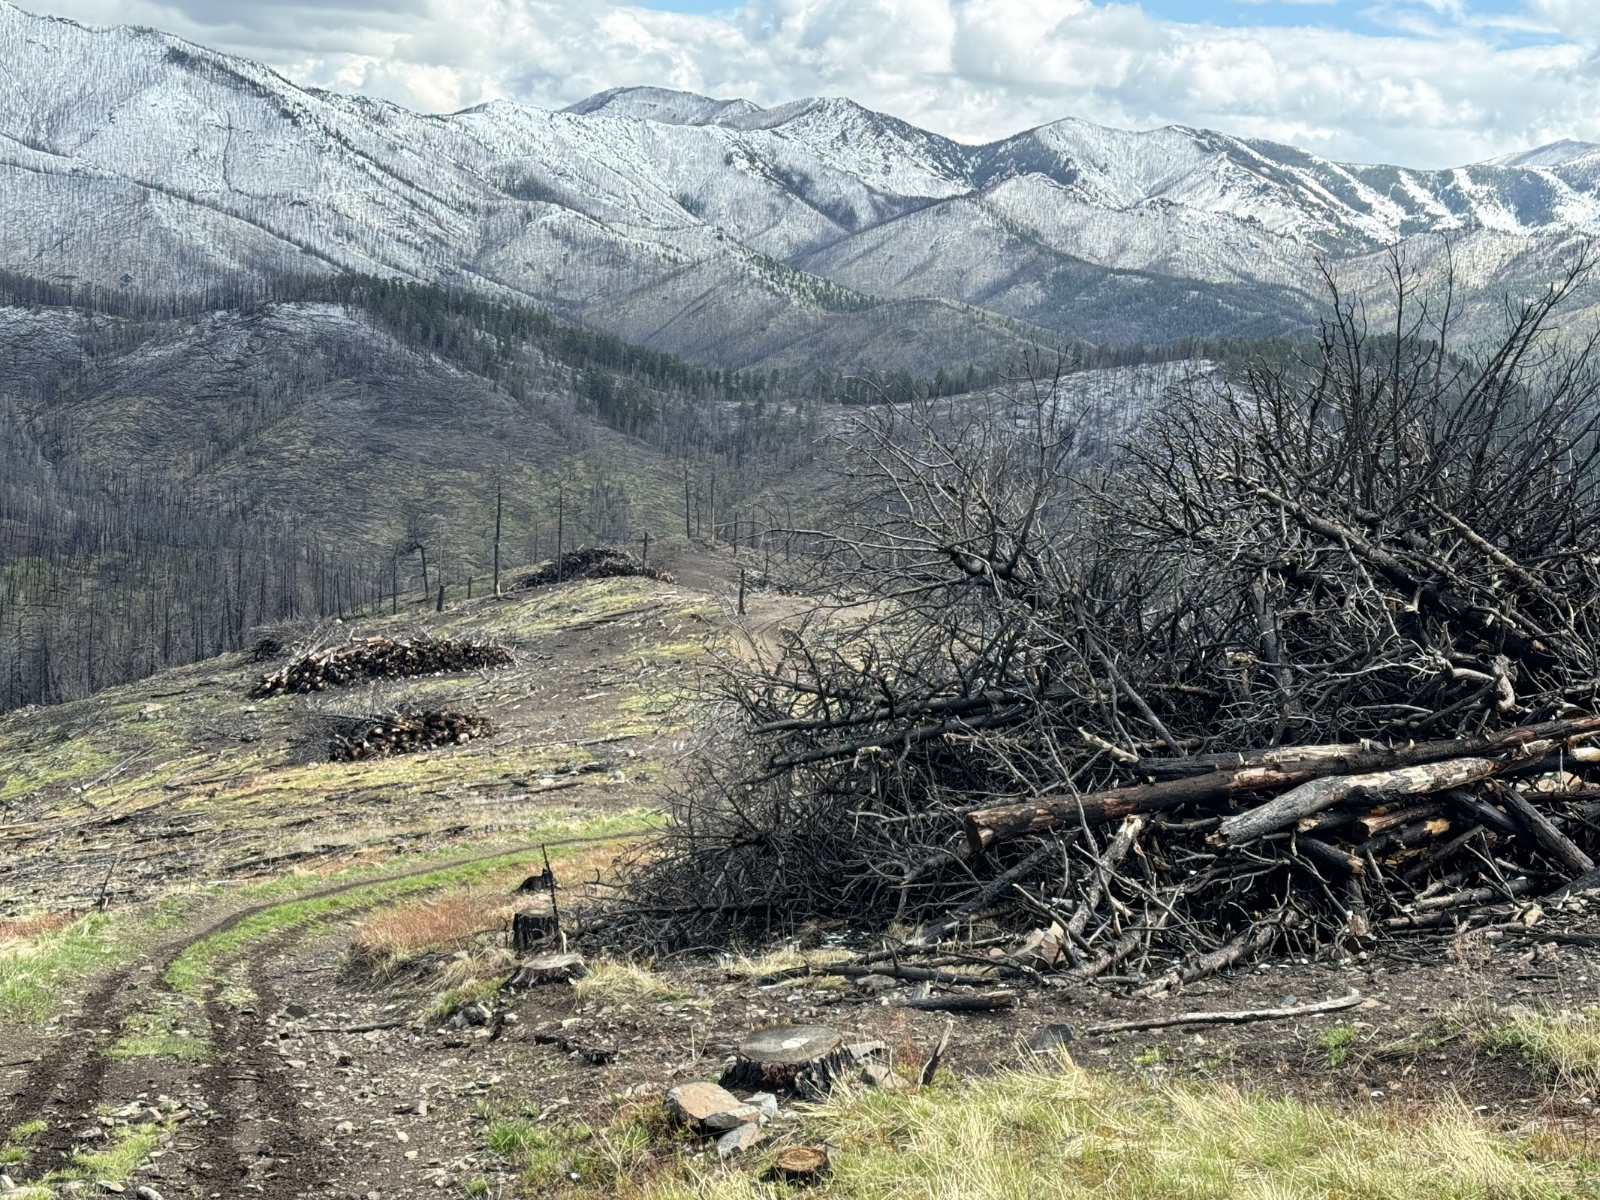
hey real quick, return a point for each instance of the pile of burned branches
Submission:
(408, 731)
(379, 658)
(1302, 658)
(595, 562)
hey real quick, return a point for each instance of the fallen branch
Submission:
(985, 1002)
(1546, 834)
(1239, 1017)
(1256, 771)
(1373, 788)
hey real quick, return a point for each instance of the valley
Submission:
(677, 649)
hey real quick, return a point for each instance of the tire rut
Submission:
(68, 1080)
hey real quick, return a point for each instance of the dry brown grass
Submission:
(31, 926)
(446, 922)
(577, 874)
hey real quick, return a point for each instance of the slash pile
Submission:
(1307, 658)
(355, 739)
(379, 658)
(595, 562)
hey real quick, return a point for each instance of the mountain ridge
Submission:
(736, 235)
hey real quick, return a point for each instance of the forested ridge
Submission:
(176, 474)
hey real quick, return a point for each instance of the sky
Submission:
(1425, 83)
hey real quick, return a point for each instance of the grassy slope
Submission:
(180, 783)
(1061, 1133)
(127, 771)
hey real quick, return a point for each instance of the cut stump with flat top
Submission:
(799, 1058)
(800, 1164)
(548, 968)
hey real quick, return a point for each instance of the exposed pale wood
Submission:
(548, 968)
(1255, 772)
(1376, 786)
(800, 1058)
(800, 1163)
(1375, 823)
(1238, 1017)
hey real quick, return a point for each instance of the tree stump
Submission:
(800, 1164)
(532, 928)
(799, 1058)
(549, 968)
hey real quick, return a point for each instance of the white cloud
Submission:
(1447, 92)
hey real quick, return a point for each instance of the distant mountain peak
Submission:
(665, 105)
(726, 232)
(1554, 154)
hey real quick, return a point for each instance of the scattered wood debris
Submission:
(1291, 668)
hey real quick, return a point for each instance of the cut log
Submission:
(1375, 823)
(548, 968)
(1226, 776)
(798, 1058)
(1481, 811)
(911, 974)
(1247, 943)
(989, 825)
(1353, 758)
(1563, 848)
(1442, 853)
(1105, 867)
(1376, 787)
(1333, 821)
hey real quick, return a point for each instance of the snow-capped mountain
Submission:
(729, 233)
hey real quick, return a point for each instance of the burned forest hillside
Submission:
(171, 482)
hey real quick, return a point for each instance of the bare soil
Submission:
(323, 1080)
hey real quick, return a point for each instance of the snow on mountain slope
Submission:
(714, 228)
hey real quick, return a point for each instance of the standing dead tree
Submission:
(1295, 657)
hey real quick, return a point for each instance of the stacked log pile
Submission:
(379, 658)
(594, 562)
(1310, 659)
(407, 732)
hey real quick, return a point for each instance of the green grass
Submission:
(446, 1003)
(117, 1161)
(198, 964)
(34, 971)
(568, 1159)
(1336, 1042)
(1565, 1044)
(1058, 1132)
(12, 1152)
(157, 1035)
